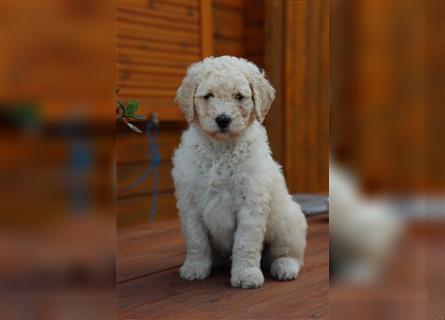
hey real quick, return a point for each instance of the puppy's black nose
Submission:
(223, 121)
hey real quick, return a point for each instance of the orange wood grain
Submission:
(229, 47)
(156, 42)
(206, 28)
(135, 210)
(229, 34)
(150, 287)
(136, 16)
(230, 4)
(139, 246)
(139, 54)
(151, 69)
(273, 62)
(129, 173)
(132, 148)
(255, 34)
(229, 23)
(302, 120)
(157, 46)
(162, 9)
(141, 79)
(167, 36)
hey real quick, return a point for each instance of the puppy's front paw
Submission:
(195, 270)
(285, 269)
(249, 278)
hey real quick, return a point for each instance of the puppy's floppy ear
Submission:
(185, 95)
(263, 94)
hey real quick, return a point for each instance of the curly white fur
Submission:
(231, 195)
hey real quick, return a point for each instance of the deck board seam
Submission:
(146, 275)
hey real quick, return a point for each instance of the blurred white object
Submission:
(362, 231)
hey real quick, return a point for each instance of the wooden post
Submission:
(297, 60)
(206, 28)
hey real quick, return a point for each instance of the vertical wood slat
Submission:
(325, 103)
(206, 28)
(273, 62)
(306, 96)
(153, 57)
(225, 43)
(298, 64)
(293, 135)
(141, 43)
(255, 41)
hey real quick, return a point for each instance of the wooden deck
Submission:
(149, 286)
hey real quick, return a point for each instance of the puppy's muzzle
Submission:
(223, 121)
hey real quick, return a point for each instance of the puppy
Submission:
(231, 195)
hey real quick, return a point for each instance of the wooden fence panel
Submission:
(156, 41)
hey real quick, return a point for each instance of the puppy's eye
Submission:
(208, 95)
(239, 96)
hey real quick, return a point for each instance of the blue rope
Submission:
(146, 174)
(152, 149)
(155, 166)
(79, 167)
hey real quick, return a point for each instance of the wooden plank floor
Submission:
(149, 286)
(411, 286)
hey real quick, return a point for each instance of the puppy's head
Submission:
(224, 95)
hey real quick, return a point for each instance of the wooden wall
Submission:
(386, 57)
(133, 205)
(255, 32)
(297, 61)
(157, 40)
(305, 96)
(238, 29)
(290, 40)
(229, 28)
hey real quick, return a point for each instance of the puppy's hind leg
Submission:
(288, 242)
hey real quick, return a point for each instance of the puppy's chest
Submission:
(221, 175)
(218, 167)
(219, 197)
(218, 176)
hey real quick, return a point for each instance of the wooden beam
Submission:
(296, 61)
(273, 63)
(206, 28)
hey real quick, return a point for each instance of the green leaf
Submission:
(131, 108)
(137, 116)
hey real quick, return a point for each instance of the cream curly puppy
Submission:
(231, 194)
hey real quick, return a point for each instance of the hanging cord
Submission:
(79, 168)
(155, 167)
(153, 153)
(146, 173)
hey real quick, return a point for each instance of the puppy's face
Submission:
(224, 105)
(224, 95)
